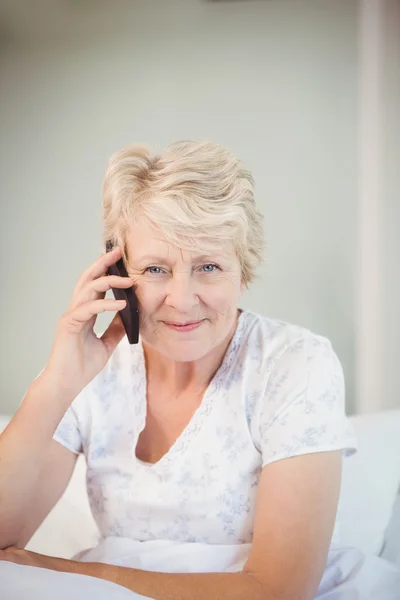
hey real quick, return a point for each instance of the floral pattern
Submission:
(278, 393)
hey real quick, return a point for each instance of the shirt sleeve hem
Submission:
(66, 445)
(347, 450)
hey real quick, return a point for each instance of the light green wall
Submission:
(274, 81)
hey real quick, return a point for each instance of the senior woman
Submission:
(214, 445)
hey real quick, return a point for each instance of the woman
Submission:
(214, 446)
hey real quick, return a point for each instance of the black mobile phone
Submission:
(130, 312)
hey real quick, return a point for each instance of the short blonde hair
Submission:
(195, 193)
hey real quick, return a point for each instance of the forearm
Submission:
(180, 586)
(23, 448)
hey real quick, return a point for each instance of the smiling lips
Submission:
(189, 326)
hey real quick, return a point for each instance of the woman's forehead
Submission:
(168, 253)
(164, 251)
(145, 243)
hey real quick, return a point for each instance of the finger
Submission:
(103, 284)
(99, 267)
(97, 289)
(87, 311)
(113, 334)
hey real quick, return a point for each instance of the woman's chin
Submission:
(182, 350)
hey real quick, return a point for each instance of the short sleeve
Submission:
(73, 429)
(68, 432)
(303, 409)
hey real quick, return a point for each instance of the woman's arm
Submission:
(165, 586)
(34, 469)
(296, 510)
(295, 515)
(185, 586)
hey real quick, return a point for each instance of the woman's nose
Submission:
(181, 293)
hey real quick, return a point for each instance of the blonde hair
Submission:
(195, 193)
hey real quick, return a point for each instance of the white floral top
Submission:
(278, 393)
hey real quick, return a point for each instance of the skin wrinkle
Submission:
(178, 289)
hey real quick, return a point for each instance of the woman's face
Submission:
(187, 302)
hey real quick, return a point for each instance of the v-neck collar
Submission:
(196, 422)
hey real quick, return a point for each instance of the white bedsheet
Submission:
(31, 583)
(349, 574)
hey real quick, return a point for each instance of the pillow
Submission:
(391, 543)
(370, 481)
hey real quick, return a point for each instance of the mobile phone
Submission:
(130, 312)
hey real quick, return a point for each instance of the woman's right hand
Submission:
(78, 355)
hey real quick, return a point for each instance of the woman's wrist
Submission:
(54, 386)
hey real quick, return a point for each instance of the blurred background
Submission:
(305, 92)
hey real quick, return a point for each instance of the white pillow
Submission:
(370, 481)
(391, 546)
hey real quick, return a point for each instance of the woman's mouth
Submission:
(188, 326)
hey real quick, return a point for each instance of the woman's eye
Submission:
(209, 268)
(154, 270)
